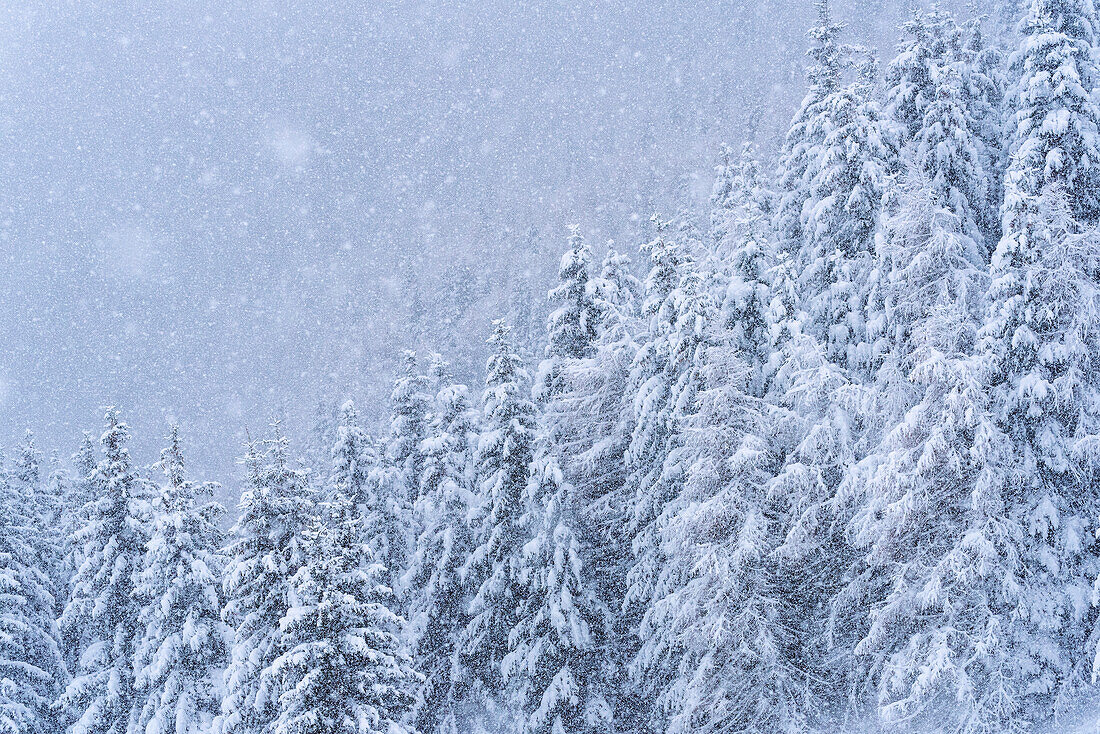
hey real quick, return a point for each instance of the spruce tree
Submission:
(438, 603)
(913, 488)
(266, 549)
(573, 323)
(931, 39)
(501, 462)
(1055, 130)
(615, 294)
(410, 405)
(554, 670)
(801, 148)
(184, 645)
(744, 227)
(857, 157)
(31, 665)
(663, 383)
(723, 612)
(592, 425)
(342, 670)
(101, 613)
(352, 457)
(981, 68)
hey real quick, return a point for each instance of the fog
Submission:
(221, 212)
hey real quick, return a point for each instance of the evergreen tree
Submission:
(410, 405)
(1054, 134)
(744, 228)
(913, 487)
(801, 149)
(812, 424)
(101, 611)
(266, 549)
(352, 458)
(949, 156)
(342, 671)
(981, 69)
(664, 379)
(183, 648)
(31, 666)
(438, 606)
(932, 38)
(722, 614)
(554, 669)
(858, 155)
(615, 295)
(980, 512)
(572, 324)
(394, 483)
(501, 460)
(592, 424)
(78, 506)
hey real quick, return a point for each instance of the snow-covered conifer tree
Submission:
(664, 380)
(31, 665)
(858, 155)
(914, 485)
(352, 458)
(949, 155)
(573, 323)
(981, 68)
(184, 644)
(1055, 128)
(501, 462)
(802, 146)
(266, 549)
(722, 614)
(101, 614)
(410, 404)
(342, 670)
(931, 39)
(615, 293)
(438, 603)
(554, 672)
(742, 224)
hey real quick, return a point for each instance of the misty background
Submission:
(215, 213)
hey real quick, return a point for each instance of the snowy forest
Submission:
(823, 458)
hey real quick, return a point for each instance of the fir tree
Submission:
(858, 155)
(663, 382)
(914, 486)
(31, 666)
(572, 324)
(554, 671)
(408, 424)
(183, 648)
(78, 506)
(801, 149)
(722, 614)
(1054, 130)
(748, 243)
(100, 614)
(352, 457)
(501, 461)
(438, 607)
(266, 549)
(342, 671)
(931, 40)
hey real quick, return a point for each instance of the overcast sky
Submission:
(214, 212)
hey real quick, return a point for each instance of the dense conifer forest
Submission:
(823, 459)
